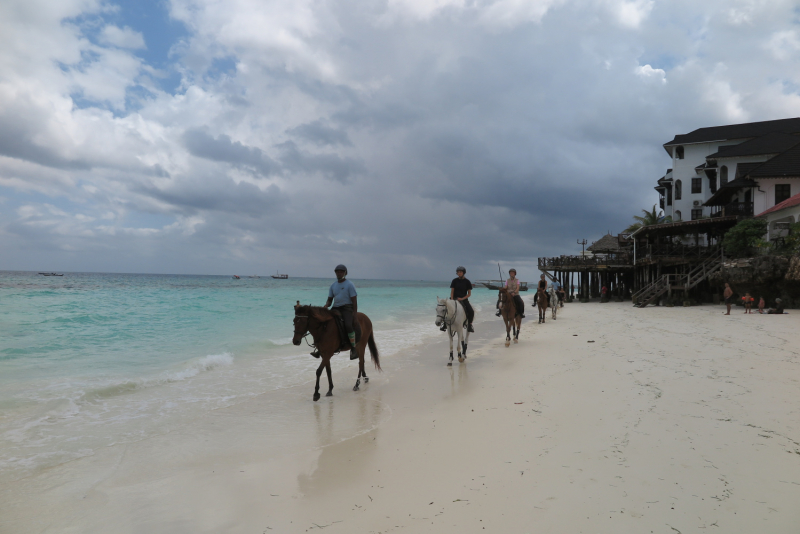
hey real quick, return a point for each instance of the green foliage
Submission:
(744, 237)
(649, 218)
(793, 239)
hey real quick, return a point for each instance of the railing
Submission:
(711, 263)
(742, 209)
(584, 261)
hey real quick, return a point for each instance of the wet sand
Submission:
(672, 420)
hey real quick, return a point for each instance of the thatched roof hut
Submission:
(608, 244)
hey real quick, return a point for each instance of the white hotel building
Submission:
(740, 169)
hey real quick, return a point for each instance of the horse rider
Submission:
(343, 296)
(461, 290)
(543, 287)
(512, 285)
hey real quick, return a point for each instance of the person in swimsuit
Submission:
(761, 304)
(728, 294)
(748, 303)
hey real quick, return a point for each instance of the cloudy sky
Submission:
(401, 137)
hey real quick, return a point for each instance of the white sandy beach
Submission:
(673, 420)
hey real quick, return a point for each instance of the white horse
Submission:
(553, 300)
(453, 315)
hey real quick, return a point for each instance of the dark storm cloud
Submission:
(19, 128)
(329, 165)
(321, 134)
(199, 143)
(219, 195)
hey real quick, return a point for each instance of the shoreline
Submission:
(674, 418)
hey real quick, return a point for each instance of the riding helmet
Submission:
(340, 267)
(512, 270)
(461, 268)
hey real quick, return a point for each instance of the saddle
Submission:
(344, 346)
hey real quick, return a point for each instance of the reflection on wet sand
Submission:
(462, 382)
(360, 415)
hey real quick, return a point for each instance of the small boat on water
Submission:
(236, 277)
(277, 276)
(254, 276)
(497, 284)
(51, 274)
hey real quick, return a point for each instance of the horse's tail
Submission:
(373, 351)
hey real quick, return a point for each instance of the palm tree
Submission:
(649, 218)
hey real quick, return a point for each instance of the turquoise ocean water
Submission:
(88, 360)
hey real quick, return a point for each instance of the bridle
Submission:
(308, 331)
(444, 317)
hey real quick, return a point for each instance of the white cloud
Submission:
(648, 73)
(631, 13)
(122, 37)
(784, 45)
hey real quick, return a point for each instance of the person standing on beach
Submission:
(761, 304)
(461, 290)
(343, 296)
(748, 303)
(728, 294)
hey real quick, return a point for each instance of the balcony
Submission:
(740, 209)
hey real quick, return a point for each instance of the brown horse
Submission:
(321, 324)
(510, 315)
(541, 303)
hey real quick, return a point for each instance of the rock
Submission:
(767, 276)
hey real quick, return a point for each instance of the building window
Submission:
(678, 189)
(712, 184)
(697, 185)
(723, 175)
(677, 215)
(782, 192)
(669, 196)
(697, 214)
(679, 152)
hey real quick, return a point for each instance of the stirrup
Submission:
(443, 328)
(469, 328)
(497, 314)
(316, 353)
(353, 354)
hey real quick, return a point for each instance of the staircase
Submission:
(711, 263)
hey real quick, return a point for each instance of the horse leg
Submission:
(460, 343)
(330, 379)
(508, 336)
(519, 326)
(450, 336)
(464, 344)
(319, 373)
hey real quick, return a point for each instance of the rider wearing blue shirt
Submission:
(343, 296)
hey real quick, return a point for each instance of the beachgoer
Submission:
(573, 291)
(728, 294)
(748, 302)
(461, 290)
(512, 285)
(343, 296)
(761, 305)
(778, 309)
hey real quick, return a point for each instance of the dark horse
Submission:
(541, 302)
(511, 317)
(320, 323)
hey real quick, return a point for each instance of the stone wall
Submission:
(767, 276)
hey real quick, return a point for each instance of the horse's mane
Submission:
(317, 311)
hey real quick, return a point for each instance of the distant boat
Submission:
(254, 276)
(280, 276)
(236, 277)
(51, 274)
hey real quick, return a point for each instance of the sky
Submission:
(400, 137)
